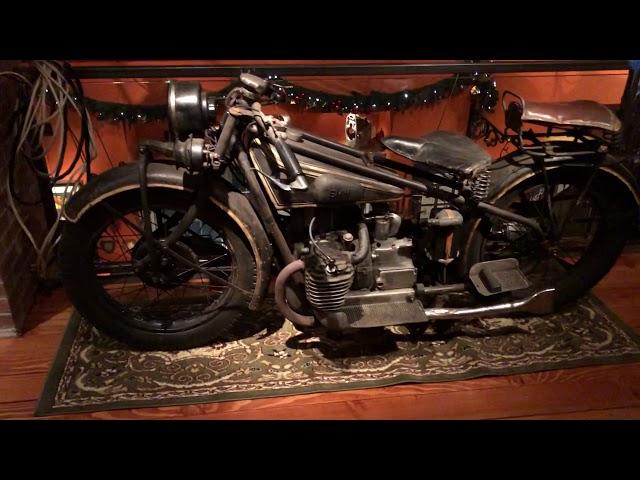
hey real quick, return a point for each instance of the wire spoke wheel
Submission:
(583, 215)
(194, 290)
(576, 219)
(171, 296)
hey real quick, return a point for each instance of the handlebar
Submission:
(297, 179)
(255, 84)
(187, 102)
(260, 86)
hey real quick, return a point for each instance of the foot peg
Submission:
(497, 276)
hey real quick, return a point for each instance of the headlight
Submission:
(190, 109)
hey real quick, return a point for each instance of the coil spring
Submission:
(480, 186)
(617, 140)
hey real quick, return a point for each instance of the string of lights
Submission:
(319, 101)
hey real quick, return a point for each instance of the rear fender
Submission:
(517, 167)
(507, 172)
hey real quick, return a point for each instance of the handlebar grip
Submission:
(254, 83)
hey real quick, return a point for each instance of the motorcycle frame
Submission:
(233, 152)
(228, 140)
(242, 123)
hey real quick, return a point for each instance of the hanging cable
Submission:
(44, 103)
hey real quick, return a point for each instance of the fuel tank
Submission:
(328, 185)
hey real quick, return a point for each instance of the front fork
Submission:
(144, 158)
(157, 247)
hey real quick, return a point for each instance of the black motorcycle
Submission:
(169, 252)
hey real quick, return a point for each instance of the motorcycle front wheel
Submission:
(171, 306)
(588, 219)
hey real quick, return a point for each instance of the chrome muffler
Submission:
(539, 303)
(401, 308)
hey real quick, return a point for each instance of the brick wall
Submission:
(18, 283)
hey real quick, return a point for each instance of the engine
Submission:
(328, 276)
(341, 270)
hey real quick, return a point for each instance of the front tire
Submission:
(202, 312)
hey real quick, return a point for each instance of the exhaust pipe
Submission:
(539, 303)
(281, 301)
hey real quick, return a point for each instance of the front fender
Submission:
(234, 204)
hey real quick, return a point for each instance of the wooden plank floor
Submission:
(605, 392)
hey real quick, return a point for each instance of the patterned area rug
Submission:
(270, 358)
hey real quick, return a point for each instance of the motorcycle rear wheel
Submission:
(593, 236)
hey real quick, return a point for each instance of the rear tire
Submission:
(619, 219)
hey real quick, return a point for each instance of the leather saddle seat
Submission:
(446, 152)
(579, 113)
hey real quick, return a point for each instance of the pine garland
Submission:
(397, 101)
(318, 101)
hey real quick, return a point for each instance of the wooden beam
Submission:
(197, 71)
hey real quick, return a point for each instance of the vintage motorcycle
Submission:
(169, 252)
